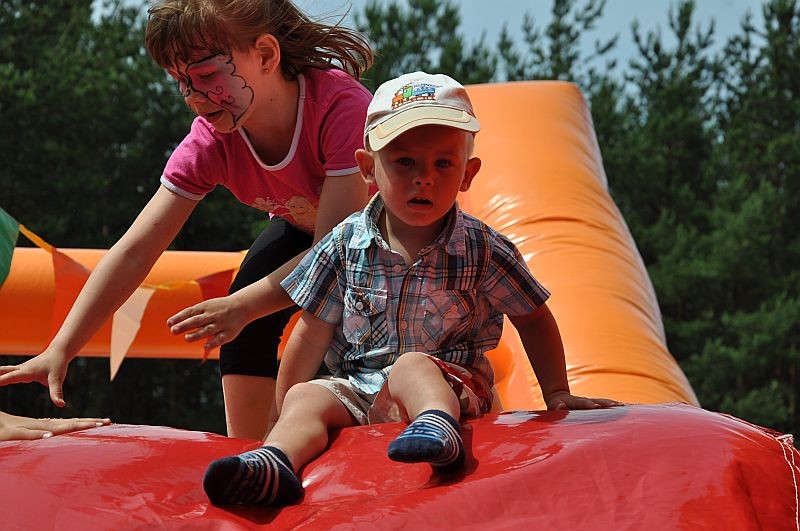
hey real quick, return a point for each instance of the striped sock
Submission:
(262, 476)
(434, 437)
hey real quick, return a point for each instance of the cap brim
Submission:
(398, 123)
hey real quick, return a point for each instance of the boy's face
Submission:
(420, 173)
(216, 88)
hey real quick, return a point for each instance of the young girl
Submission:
(280, 116)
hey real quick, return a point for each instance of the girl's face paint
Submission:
(215, 79)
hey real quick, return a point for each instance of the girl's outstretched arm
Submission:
(121, 270)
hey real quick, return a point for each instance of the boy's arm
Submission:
(303, 354)
(542, 342)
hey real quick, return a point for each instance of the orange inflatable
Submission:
(660, 463)
(34, 301)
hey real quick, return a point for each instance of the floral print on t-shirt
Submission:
(299, 208)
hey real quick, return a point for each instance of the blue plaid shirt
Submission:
(448, 304)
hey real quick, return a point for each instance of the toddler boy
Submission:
(402, 300)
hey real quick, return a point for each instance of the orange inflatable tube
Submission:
(542, 183)
(33, 302)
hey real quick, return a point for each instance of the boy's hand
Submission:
(48, 368)
(564, 400)
(219, 319)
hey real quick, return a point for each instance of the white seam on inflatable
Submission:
(786, 441)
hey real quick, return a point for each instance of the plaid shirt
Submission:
(448, 304)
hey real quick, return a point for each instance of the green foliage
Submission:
(421, 36)
(555, 53)
(75, 95)
(752, 246)
(704, 166)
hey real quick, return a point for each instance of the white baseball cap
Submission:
(416, 99)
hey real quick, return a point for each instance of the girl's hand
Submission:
(13, 427)
(564, 400)
(220, 320)
(48, 368)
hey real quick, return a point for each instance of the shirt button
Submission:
(403, 325)
(453, 308)
(359, 305)
(398, 268)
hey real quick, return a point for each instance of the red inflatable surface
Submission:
(648, 467)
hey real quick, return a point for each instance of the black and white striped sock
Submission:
(262, 476)
(433, 437)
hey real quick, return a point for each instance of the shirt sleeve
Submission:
(314, 283)
(198, 163)
(509, 284)
(342, 131)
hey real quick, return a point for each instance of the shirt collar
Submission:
(366, 226)
(451, 238)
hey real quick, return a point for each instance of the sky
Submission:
(489, 16)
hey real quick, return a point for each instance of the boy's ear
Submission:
(269, 49)
(473, 166)
(366, 164)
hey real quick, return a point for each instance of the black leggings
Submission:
(254, 352)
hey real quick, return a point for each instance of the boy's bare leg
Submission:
(248, 403)
(416, 384)
(434, 436)
(309, 412)
(268, 475)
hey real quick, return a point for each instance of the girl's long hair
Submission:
(178, 29)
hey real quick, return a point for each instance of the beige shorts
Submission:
(474, 395)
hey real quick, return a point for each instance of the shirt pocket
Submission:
(451, 313)
(364, 319)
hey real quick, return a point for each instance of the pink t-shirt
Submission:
(330, 125)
